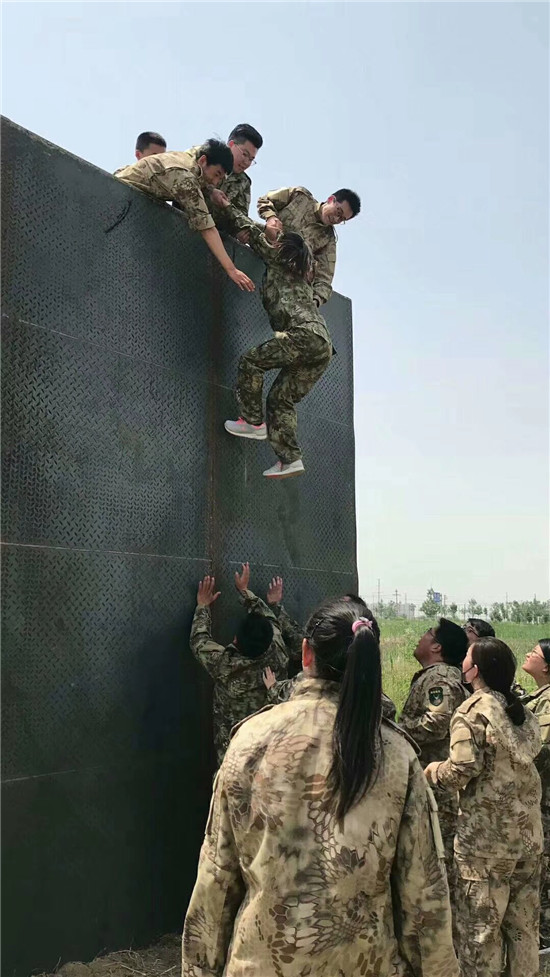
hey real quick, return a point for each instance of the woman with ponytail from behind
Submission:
(498, 844)
(322, 853)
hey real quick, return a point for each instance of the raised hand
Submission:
(275, 591)
(206, 593)
(243, 579)
(268, 676)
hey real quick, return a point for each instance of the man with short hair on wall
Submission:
(295, 209)
(244, 142)
(149, 144)
(183, 177)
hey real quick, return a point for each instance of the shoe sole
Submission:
(251, 437)
(287, 474)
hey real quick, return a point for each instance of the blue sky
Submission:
(437, 114)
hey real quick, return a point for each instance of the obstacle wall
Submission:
(121, 338)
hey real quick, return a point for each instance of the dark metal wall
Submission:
(120, 489)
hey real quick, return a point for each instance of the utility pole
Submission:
(378, 592)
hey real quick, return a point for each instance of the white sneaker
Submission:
(280, 470)
(242, 429)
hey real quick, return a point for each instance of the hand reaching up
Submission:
(206, 593)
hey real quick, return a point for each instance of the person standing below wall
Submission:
(499, 842)
(237, 668)
(537, 665)
(281, 691)
(183, 177)
(322, 852)
(435, 692)
(295, 209)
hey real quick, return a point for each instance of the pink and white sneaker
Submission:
(280, 470)
(242, 429)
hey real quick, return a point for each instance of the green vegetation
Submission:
(400, 637)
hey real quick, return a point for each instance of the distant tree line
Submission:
(516, 611)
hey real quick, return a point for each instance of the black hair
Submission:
(482, 628)
(351, 198)
(145, 139)
(453, 640)
(356, 599)
(254, 635)
(246, 133)
(353, 660)
(295, 255)
(364, 611)
(497, 667)
(545, 648)
(217, 153)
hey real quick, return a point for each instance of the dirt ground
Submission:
(161, 960)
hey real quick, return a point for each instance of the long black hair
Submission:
(352, 659)
(545, 648)
(497, 666)
(295, 255)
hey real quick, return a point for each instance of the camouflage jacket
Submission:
(172, 176)
(287, 299)
(539, 704)
(283, 690)
(434, 695)
(283, 889)
(491, 764)
(237, 188)
(239, 689)
(298, 210)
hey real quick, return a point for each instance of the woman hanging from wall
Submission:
(301, 349)
(498, 843)
(322, 852)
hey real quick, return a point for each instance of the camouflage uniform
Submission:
(498, 840)
(297, 210)
(301, 347)
(239, 689)
(237, 188)
(283, 890)
(539, 704)
(172, 176)
(434, 695)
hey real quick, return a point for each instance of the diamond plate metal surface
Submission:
(121, 488)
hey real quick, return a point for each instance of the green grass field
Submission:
(400, 637)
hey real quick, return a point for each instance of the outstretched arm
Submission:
(207, 651)
(212, 238)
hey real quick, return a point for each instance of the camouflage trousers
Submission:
(497, 906)
(545, 879)
(447, 807)
(302, 357)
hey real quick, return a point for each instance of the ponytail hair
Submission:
(347, 651)
(296, 256)
(497, 667)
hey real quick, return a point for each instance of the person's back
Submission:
(298, 875)
(498, 843)
(499, 812)
(310, 881)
